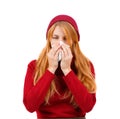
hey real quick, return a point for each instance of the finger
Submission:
(55, 49)
(69, 51)
(54, 44)
(65, 51)
(65, 45)
(57, 54)
(62, 54)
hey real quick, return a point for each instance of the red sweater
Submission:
(34, 95)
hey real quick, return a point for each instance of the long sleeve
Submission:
(34, 95)
(83, 98)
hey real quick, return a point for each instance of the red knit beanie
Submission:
(64, 18)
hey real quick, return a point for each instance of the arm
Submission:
(34, 94)
(83, 98)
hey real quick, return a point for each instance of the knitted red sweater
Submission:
(34, 95)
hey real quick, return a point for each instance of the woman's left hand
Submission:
(66, 59)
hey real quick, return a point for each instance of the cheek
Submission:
(68, 42)
(54, 42)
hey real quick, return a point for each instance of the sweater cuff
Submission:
(50, 74)
(69, 75)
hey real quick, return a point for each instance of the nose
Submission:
(61, 41)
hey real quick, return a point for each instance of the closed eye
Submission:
(64, 39)
(55, 37)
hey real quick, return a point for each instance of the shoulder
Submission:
(32, 63)
(92, 68)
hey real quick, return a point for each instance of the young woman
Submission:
(61, 82)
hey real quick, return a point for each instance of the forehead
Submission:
(58, 30)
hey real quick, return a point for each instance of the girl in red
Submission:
(61, 82)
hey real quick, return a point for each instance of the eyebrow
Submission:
(55, 34)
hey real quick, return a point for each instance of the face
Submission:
(58, 35)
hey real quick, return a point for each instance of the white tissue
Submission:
(60, 54)
(61, 42)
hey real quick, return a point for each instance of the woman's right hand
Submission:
(53, 58)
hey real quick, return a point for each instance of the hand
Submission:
(66, 59)
(53, 58)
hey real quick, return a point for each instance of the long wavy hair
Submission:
(80, 63)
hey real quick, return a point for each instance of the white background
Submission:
(23, 26)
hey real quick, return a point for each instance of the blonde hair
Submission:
(81, 64)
